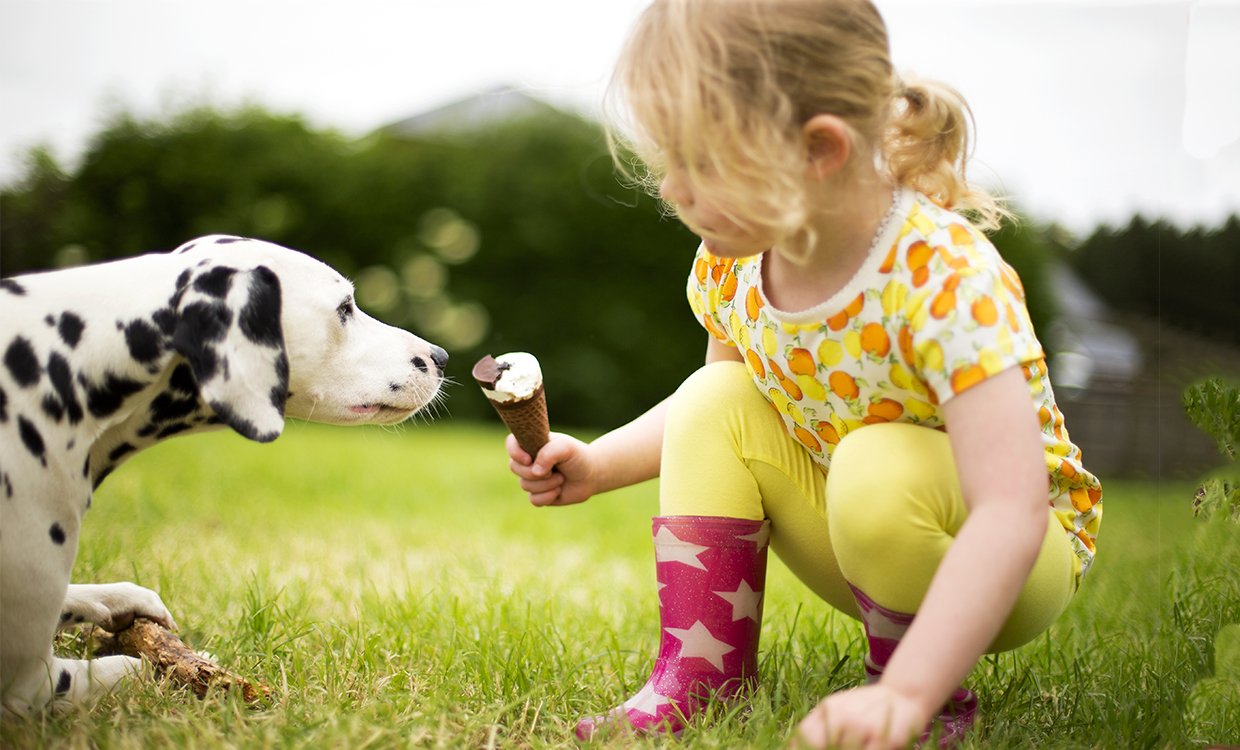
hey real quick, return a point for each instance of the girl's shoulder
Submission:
(929, 222)
(938, 243)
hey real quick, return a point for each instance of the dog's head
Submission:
(270, 332)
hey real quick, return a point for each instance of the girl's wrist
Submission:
(916, 692)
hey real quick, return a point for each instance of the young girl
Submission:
(874, 401)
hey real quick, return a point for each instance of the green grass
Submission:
(395, 590)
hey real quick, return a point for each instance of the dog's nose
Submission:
(439, 357)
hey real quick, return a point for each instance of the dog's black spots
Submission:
(71, 327)
(393, 387)
(165, 320)
(204, 321)
(201, 325)
(53, 408)
(102, 476)
(182, 283)
(7, 482)
(56, 533)
(204, 363)
(86, 467)
(420, 363)
(61, 375)
(185, 248)
(146, 430)
(226, 415)
(12, 287)
(172, 429)
(32, 439)
(49, 320)
(88, 497)
(279, 391)
(216, 282)
(144, 341)
(65, 616)
(69, 445)
(22, 364)
(279, 397)
(260, 318)
(229, 240)
(64, 682)
(4, 406)
(79, 619)
(243, 426)
(182, 380)
(166, 408)
(104, 399)
(120, 452)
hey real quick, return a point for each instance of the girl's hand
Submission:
(873, 717)
(562, 474)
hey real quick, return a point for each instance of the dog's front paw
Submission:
(113, 606)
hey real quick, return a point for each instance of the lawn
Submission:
(395, 590)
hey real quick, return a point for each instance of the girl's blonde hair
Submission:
(720, 90)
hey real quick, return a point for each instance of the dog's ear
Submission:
(228, 328)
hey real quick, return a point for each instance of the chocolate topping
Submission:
(487, 371)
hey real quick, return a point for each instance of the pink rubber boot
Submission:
(883, 629)
(711, 573)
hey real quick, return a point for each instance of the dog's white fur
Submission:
(97, 364)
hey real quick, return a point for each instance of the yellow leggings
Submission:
(882, 520)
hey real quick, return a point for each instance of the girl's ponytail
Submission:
(927, 147)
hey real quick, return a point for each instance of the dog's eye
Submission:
(345, 311)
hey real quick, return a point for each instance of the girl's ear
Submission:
(828, 143)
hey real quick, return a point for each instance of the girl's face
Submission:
(723, 236)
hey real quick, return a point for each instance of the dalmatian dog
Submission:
(104, 360)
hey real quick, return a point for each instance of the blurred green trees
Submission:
(511, 236)
(1186, 278)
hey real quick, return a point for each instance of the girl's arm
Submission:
(568, 471)
(999, 458)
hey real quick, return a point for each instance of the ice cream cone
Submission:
(527, 421)
(513, 384)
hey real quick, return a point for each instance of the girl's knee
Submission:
(890, 475)
(715, 389)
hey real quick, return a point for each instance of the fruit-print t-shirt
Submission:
(933, 311)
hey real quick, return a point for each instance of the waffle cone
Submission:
(527, 420)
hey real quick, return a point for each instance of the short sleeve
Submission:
(972, 324)
(705, 295)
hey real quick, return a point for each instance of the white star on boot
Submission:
(647, 701)
(697, 641)
(745, 601)
(668, 548)
(759, 537)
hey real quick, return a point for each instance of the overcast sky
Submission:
(1087, 111)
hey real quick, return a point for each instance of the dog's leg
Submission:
(36, 682)
(67, 681)
(112, 606)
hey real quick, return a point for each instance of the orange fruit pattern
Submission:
(874, 339)
(941, 313)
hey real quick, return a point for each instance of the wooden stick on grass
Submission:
(172, 658)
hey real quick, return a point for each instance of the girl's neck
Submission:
(842, 237)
